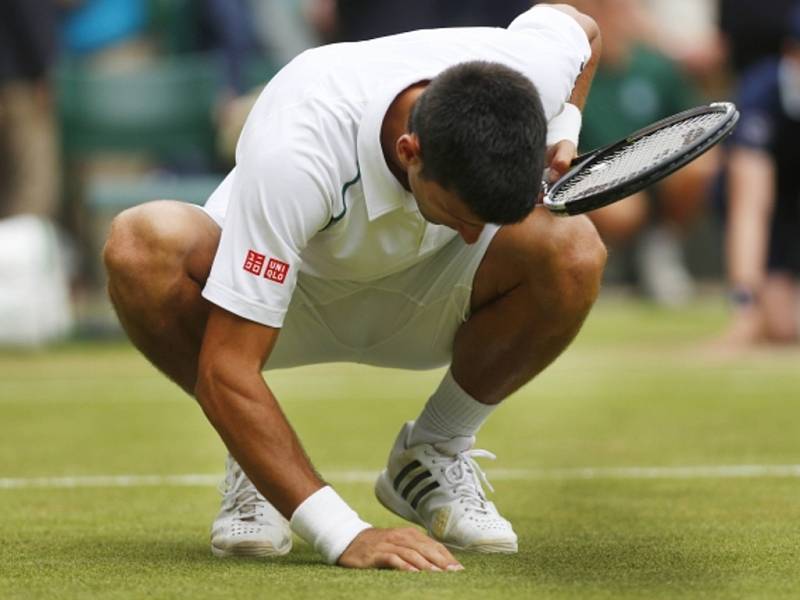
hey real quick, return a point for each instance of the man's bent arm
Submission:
(243, 410)
(580, 92)
(562, 152)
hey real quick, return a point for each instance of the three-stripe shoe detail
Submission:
(440, 487)
(408, 480)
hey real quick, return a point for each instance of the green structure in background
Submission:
(627, 97)
(162, 110)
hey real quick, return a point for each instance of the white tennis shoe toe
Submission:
(439, 487)
(247, 524)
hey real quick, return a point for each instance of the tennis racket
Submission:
(620, 169)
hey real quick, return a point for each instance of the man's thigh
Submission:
(530, 251)
(406, 320)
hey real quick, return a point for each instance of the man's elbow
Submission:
(211, 388)
(226, 382)
(205, 385)
(587, 23)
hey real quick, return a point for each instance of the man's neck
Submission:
(395, 124)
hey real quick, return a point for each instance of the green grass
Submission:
(634, 390)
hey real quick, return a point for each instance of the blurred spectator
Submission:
(29, 171)
(365, 19)
(34, 294)
(266, 33)
(228, 28)
(635, 86)
(285, 28)
(108, 34)
(685, 30)
(753, 30)
(763, 245)
(706, 35)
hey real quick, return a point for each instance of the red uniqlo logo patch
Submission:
(276, 270)
(254, 262)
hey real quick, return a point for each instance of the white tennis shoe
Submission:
(247, 524)
(439, 487)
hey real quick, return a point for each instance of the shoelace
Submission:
(466, 476)
(242, 495)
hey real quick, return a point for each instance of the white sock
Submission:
(449, 413)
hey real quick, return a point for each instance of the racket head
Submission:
(640, 160)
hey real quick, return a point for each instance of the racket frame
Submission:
(651, 175)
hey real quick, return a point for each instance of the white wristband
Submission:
(566, 125)
(326, 522)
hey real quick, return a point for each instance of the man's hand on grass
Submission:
(405, 549)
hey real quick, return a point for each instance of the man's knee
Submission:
(559, 261)
(581, 253)
(126, 246)
(152, 239)
(575, 257)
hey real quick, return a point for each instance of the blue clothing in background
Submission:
(97, 24)
(228, 25)
(753, 30)
(366, 19)
(765, 125)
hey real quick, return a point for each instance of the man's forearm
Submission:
(247, 416)
(564, 129)
(242, 408)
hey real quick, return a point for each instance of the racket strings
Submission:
(639, 156)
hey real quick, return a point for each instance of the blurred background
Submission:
(657, 458)
(108, 103)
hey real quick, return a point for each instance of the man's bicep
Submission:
(234, 345)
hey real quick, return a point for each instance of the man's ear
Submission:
(408, 150)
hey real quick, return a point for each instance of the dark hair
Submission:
(482, 129)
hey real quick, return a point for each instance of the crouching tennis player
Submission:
(381, 211)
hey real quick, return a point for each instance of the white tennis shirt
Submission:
(311, 191)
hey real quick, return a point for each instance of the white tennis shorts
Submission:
(407, 320)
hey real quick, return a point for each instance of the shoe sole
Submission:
(250, 549)
(393, 502)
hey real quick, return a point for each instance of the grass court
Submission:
(637, 466)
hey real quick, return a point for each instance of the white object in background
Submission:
(34, 291)
(686, 21)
